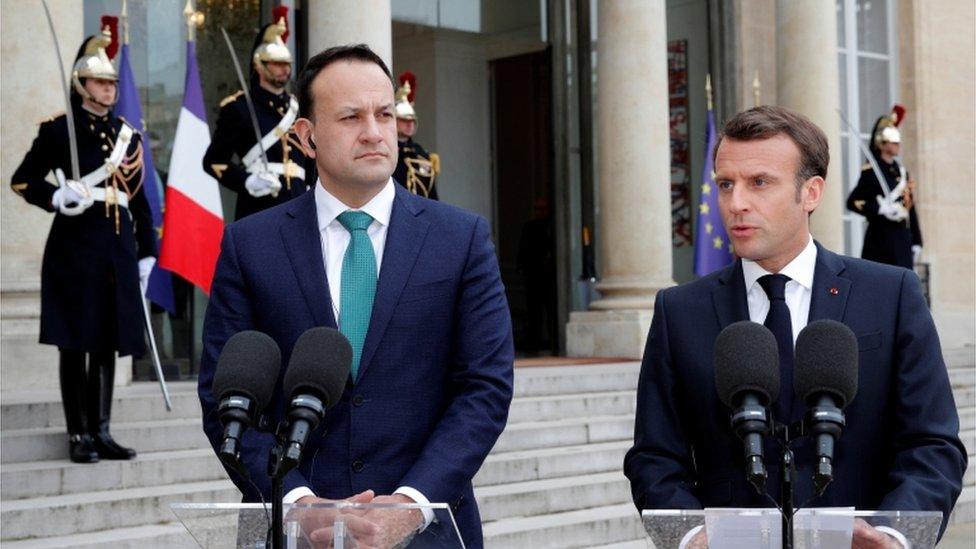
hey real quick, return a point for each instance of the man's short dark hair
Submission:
(354, 52)
(769, 121)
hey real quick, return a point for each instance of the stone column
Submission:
(30, 93)
(340, 22)
(807, 82)
(634, 180)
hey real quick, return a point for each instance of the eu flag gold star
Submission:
(703, 208)
(717, 242)
(709, 227)
(706, 188)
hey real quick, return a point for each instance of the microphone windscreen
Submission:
(319, 365)
(248, 366)
(746, 359)
(826, 361)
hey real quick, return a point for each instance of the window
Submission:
(868, 63)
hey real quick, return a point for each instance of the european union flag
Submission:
(713, 249)
(160, 286)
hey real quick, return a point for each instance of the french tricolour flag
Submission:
(194, 219)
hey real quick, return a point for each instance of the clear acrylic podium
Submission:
(336, 525)
(762, 528)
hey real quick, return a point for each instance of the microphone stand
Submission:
(788, 475)
(277, 497)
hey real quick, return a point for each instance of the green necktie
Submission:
(358, 287)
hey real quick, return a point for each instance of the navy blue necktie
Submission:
(778, 321)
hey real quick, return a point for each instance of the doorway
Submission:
(523, 166)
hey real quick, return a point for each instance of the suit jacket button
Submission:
(357, 466)
(358, 400)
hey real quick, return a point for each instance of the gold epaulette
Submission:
(231, 98)
(51, 118)
(866, 166)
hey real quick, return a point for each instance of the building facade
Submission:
(582, 117)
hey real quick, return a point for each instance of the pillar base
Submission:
(617, 334)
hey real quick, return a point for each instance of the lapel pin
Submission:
(833, 291)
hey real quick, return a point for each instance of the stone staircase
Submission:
(553, 480)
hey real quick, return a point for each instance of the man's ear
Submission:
(304, 127)
(812, 193)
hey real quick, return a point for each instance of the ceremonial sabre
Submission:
(69, 114)
(856, 136)
(155, 354)
(247, 96)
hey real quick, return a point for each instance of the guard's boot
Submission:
(101, 379)
(71, 367)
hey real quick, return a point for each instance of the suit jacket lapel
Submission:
(729, 296)
(303, 244)
(404, 239)
(830, 290)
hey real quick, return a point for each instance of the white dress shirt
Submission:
(335, 240)
(798, 289)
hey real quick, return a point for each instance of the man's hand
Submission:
(146, 265)
(869, 537)
(893, 211)
(916, 253)
(698, 541)
(262, 184)
(317, 524)
(72, 198)
(397, 526)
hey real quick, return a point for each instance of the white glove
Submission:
(916, 252)
(262, 184)
(146, 265)
(72, 198)
(894, 211)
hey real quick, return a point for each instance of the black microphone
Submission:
(314, 381)
(247, 372)
(747, 380)
(825, 377)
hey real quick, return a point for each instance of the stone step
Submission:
(552, 407)
(962, 376)
(968, 438)
(20, 327)
(61, 477)
(965, 509)
(967, 419)
(544, 463)
(141, 401)
(558, 380)
(960, 357)
(156, 536)
(556, 495)
(565, 432)
(94, 511)
(583, 528)
(965, 396)
(51, 443)
(969, 478)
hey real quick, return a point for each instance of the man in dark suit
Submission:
(427, 399)
(900, 448)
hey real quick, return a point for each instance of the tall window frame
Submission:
(856, 26)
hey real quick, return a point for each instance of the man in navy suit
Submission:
(415, 286)
(900, 449)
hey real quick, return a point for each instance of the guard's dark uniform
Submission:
(90, 296)
(234, 136)
(414, 169)
(885, 241)
(91, 303)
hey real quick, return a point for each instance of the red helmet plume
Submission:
(112, 23)
(281, 12)
(407, 76)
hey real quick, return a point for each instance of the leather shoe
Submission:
(109, 449)
(81, 449)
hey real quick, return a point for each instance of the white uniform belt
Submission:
(278, 132)
(278, 168)
(110, 195)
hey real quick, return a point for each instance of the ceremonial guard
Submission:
(416, 168)
(269, 172)
(885, 196)
(101, 247)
